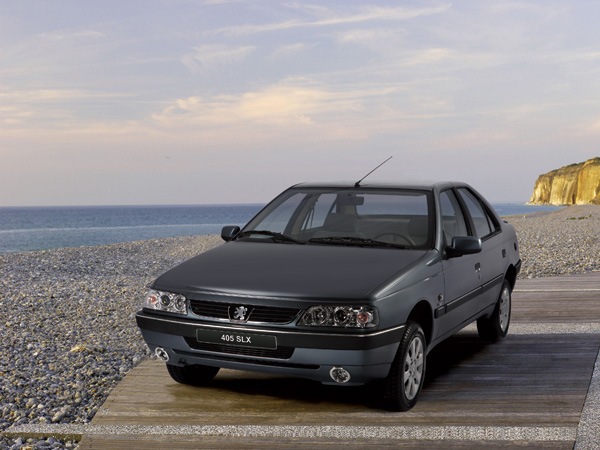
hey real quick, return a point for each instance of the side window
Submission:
(453, 221)
(484, 224)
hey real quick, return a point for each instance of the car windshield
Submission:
(365, 217)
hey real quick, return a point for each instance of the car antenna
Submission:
(357, 184)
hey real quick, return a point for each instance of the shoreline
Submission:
(33, 232)
(557, 229)
(69, 323)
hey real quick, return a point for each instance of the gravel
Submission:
(563, 242)
(68, 327)
(68, 315)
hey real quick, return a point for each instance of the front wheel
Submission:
(495, 327)
(194, 375)
(403, 384)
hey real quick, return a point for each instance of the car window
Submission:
(484, 224)
(315, 215)
(382, 204)
(323, 206)
(278, 218)
(453, 220)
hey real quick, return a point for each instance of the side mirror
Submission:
(229, 232)
(463, 245)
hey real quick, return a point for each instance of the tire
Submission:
(194, 375)
(401, 388)
(496, 326)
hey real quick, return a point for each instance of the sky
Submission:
(118, 102)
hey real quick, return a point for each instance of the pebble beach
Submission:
(68, 321)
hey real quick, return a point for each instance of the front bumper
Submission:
(300, 353)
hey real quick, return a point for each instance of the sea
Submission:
(42, 228)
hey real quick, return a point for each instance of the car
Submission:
(344, 283)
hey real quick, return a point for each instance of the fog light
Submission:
(161, 354)
(339, 375)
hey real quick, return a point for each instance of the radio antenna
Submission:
(357, 184)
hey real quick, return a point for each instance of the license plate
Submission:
(236, 338)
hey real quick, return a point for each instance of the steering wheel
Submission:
(395, 238)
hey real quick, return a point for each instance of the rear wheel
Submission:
(194, 375)
(403, 384)
(495, 327)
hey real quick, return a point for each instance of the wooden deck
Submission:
(528, 391)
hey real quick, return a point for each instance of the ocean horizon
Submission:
(31, 228)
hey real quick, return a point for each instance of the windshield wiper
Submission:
(352, 240)
(276, 237)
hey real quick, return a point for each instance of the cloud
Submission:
(372, 38)
(432, 56)
(287, 50)
(290, 102)
(536, 10)
(393, 49)
(71, 35)
(326, 17)
(560, 57)
(23, 108)
(210, 57)
(589, 127)
(271, 105)
(44, 95)
(51, 109)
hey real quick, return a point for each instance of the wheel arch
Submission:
(423, 315)
(511, 276)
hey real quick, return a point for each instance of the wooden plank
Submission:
(521, 378)
(245, 443)
(589, 280)
(526, 380)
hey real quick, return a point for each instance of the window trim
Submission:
(490, 217)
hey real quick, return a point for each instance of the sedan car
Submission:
(342, 283)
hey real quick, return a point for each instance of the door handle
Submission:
(478, 270)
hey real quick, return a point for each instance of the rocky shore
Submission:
(68, 325)
(562, 242)
(68, 328)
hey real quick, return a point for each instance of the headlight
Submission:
(340, 316)
(165, 301)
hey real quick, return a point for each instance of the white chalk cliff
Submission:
(576, 184)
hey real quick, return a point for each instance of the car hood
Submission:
(289, 270)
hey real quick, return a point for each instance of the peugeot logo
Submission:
(239, 313)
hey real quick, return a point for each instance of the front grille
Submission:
(210, 309)
(263, 314)
(273, 315)
(280, 353)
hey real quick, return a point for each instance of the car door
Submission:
(493, 252)
(462, 275)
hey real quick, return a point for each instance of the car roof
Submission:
(413, 185)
